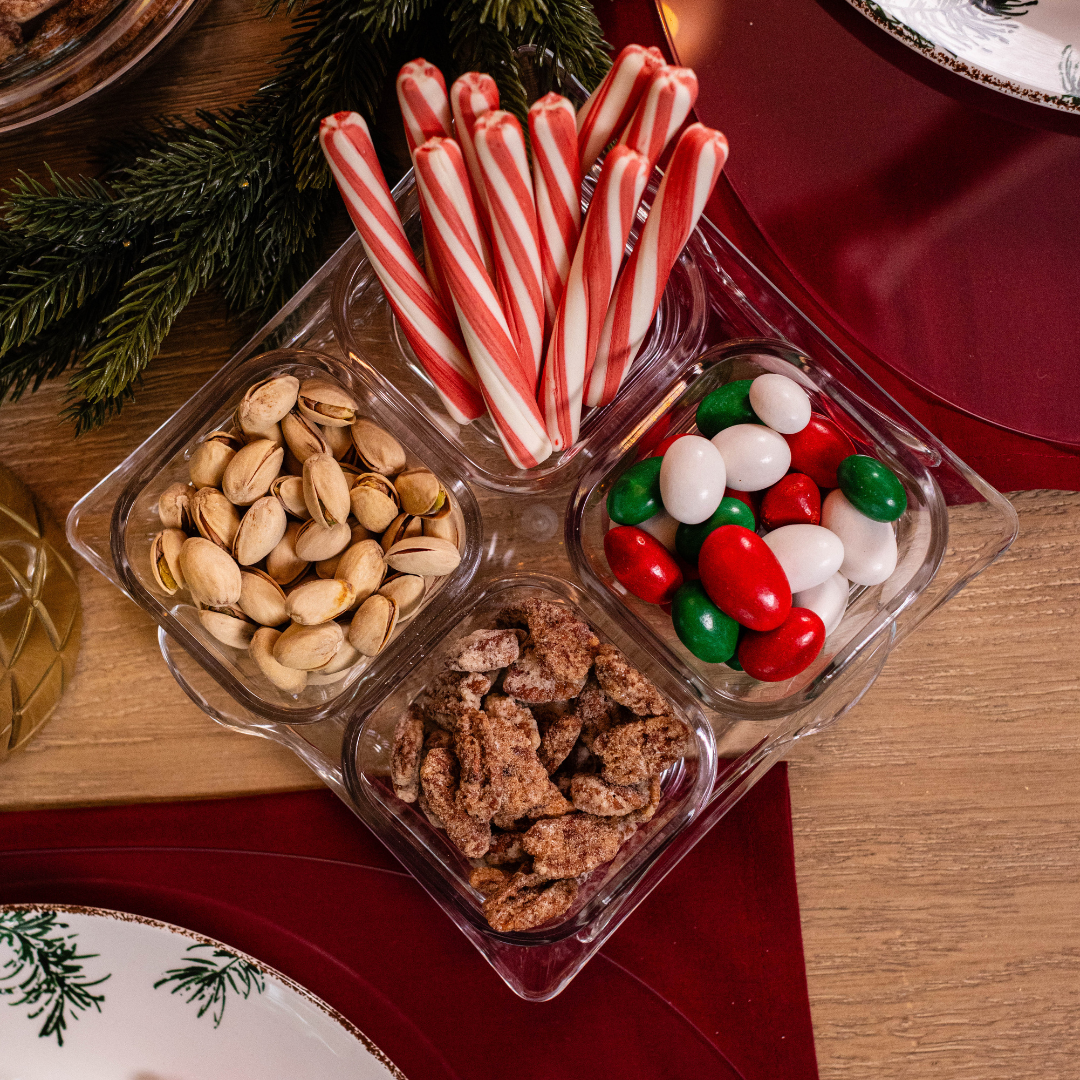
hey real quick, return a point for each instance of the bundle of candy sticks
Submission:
(523, 310)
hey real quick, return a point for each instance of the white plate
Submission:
(1026, 48)
(138, 999)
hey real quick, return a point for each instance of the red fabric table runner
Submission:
(705, 979)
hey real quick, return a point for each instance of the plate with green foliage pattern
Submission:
(102, 995)
(1025, 48)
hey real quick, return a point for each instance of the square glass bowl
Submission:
(538, 963)
(133, 489)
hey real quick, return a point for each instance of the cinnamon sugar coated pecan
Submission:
(626, 685)
(405, 754)
(527, 901)
(642, 748)
(487, 650)
(571, 845)
(593, 794)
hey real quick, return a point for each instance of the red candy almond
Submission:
(818, 449)
(793, 500)
(642, 564)
(782, 653)
(743, 578)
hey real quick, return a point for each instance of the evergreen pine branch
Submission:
(209, 984)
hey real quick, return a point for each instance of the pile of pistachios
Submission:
(303, 537)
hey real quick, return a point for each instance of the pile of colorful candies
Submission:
(685, 524)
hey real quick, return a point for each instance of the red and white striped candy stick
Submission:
(430, 331)
(471, 96)
(425, 110)
(612, 103)
(666, 103)
(691, 175)
(444, 185)
(504, 169)
(557, 185)
(588, 290)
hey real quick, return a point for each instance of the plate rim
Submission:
(898, 29)
(116, 915)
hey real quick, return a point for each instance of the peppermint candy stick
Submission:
(612, 103)
(504, 169)
(588, 290)
(425, 111)
(434, 337)
(691, 175)
(444, 186)
(557, 185)
(471, 96)
(666, 103)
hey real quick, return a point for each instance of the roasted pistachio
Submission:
(262, 598)
(252, 470)
(378, 450)
(314, 543)
(291, 680)
(228, 626)
(261, 530)
(339, 439)
(359, 533)
(211, 457)
(427, 556)
(292, 465)
(266, 403)
(308, 647)
(442, 525)
(283, 564)
(374, 501)
(363, 567)
(325, 403)
(326, 491)
(327, 568)
(214, 517)
(319, 601)
(345, 658)
(401, 528)
(272, 434)
(407, 591)
(303, 437)
(174, 506)
(373, 624)
(210, 573)
(420, 492)
(165, 560)
(289, 491)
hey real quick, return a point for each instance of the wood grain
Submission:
(935, 825)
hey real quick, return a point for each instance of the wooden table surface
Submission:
(936, 826)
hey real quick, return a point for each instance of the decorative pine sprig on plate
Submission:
(206, 981)
(94, 272)
(45, 970)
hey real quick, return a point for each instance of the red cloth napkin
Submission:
(705, 979)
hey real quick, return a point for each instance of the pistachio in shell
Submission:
(302, 437)
(325, 403)
(291, 464)
(289, 491)
(266, 403)
(211, 457)
(261, 530)
(401, 528)
(315, 543)
(374, 501)
(373, 624)
(358, 533)
(407, 591)
(442, 525)
(426, 556)
(377, 449)
(211, 573)
(327, 568)
(214, 517)
(283, 564)
(339, 440)
(362, 565)
(262, 599)
(308, 647)
(228, 626)
(343, 660)
(252, 470)
(420, 492)
(174, 507)
(165, 560)
(319, 601)
(326, 491)
(291, 680)
(273, 434)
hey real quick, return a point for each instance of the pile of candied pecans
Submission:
(539, 752)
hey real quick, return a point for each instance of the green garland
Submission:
(93, 272)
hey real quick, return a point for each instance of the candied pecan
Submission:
(453, 693)
(438, 740)
(559, 740)
(633, 752)
(571, 845)
(488, 880)
(439, 777)
(405, 754)
(594, 795)
(523, 781)
(424, 806)
(482, 785)
(626, 685)
(596, 711)
(554, 804)
(563, 642)
(530, 679)
(647, 812)
(487, 650)
(527, 901)
(501, 708)
(10, 36)
(505, 848)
